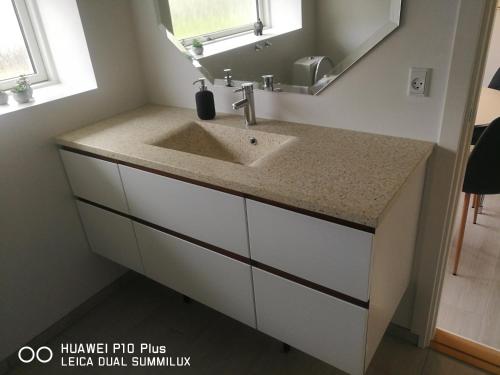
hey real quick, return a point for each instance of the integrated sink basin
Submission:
(234, 145)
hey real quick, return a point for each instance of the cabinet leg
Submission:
(186, 299)
(285, 348)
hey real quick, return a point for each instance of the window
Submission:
(212, 19)
(19, 50)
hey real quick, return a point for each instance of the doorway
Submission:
(468, 323)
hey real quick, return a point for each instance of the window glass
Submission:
(192, 18)
(14, 57)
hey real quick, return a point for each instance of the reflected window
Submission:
(212, 19)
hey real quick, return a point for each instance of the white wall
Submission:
(370, 97)
(493, 62)
(343, 25)
(46, 269)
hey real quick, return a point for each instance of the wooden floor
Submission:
(470, 304)
(143, 311)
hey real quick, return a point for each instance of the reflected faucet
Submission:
(268, 82)
(248, 103)
(228, 78)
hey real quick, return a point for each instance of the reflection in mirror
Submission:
(298, 46)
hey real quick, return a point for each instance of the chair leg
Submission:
(461, 232)
(477, 205)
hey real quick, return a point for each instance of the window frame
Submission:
(29, 28)
(264, 12)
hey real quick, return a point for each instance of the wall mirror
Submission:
(298, 46)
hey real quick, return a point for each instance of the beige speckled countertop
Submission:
(347, 175)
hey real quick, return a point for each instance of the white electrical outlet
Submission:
(419, 82)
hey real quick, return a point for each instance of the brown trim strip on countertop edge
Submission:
(238, 257)
(331, 219)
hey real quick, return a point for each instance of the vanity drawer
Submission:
(207, 215)
(111, 236)
(95, 180)
(320, 325)
(206, 276)
(322, 252)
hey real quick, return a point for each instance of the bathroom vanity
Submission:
(302, 232)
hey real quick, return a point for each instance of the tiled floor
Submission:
(470, 304)
(143, 311)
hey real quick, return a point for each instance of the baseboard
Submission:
(76, 314)
(470, 352)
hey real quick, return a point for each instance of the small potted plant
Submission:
(22, 92)
(197, 47)
(4, 97)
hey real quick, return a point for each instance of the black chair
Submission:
(482, 177)
(478, 132)
(479, 129)
(495, 82)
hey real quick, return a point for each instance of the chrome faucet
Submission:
(248, 103)
(228, 78)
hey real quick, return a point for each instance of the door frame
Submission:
(447, 165)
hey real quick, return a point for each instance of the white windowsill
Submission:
(226, 44)
(44, 93)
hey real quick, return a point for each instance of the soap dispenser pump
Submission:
(205, 104)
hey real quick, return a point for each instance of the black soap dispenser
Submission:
(205, 104)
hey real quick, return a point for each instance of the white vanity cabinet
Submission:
(213, 279)
(319, 251)
(111, 236)
(332, 290)
(95, 179)
(207, 215)
(325, 288)
(320, 325)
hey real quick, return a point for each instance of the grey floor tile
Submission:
(4, 367)
(395, 356)
(147, 312)
(113, 319)
(54, 367)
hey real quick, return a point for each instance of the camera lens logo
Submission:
(27, 354)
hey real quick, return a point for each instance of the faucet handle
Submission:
(228, 77)
(246, 87)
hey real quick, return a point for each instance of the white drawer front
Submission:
(320, 325)
(111, 236)
(325, 253)
(94, 179)
(208, 277)
(204, 214)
